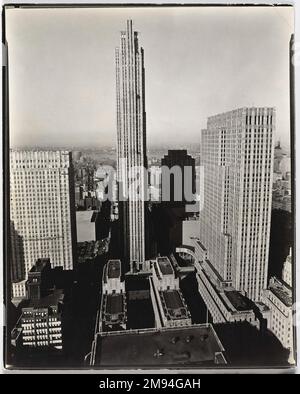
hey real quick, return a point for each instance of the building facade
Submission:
(237, 156)
(278, 298)
(40, 324)
(86, 225)
(38, 281)
(287, 271)
(42, 211)
(131, 146)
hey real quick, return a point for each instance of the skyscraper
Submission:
(237, 156)
(131, 147)
(42, 211)
(181, 182)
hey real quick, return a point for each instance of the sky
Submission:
(198, 62)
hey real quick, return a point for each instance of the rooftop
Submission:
(134, 283)
(165, 266)
(240, 302)
(189, 346)
(89, 250)
(261, 306)
(173, 304)
(282, 291)
(114, 303)
(113, 269)
(114, 308)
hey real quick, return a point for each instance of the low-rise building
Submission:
(113, 309)
(190, 346)
(169, 306)
(224, 303)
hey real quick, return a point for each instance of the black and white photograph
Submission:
(149, 187)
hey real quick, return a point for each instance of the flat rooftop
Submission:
(114, 303)
(173, 303)
(240, 302)
(187, 346)
(89, 250)
(114, 308)
(165, 265)
(172, 299)
(135, 284)
(113, 269)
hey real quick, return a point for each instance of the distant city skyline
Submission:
(62, 73)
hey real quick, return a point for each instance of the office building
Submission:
(278, 298)
(42, 211)
(39, 278)
(178, 177)
(237, 156)
(87, 225)
(40, 323)
(131, 146)
(282, 187)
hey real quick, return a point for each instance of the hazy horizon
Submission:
(198, 62)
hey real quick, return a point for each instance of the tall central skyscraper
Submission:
(237, 156)
(131, 148)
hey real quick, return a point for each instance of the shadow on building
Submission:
(281, 239)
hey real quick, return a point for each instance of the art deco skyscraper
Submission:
(131, 148)
(42, 212)
(237, 155)
(183, 182)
